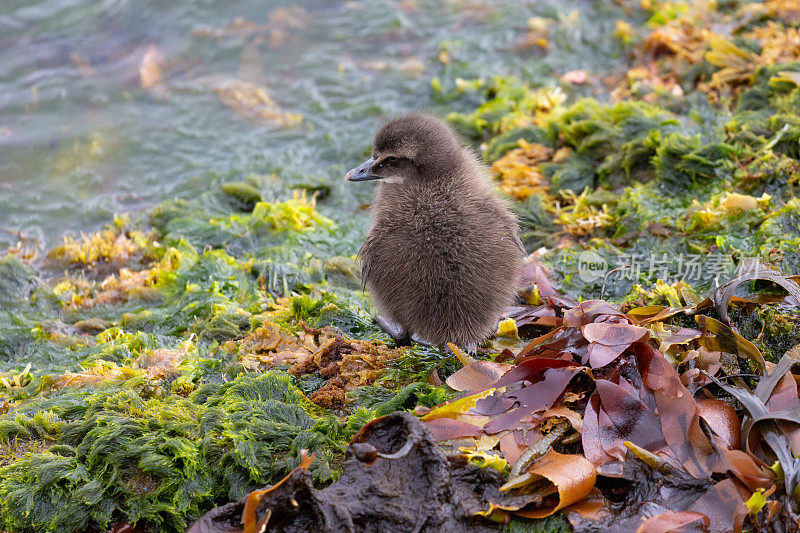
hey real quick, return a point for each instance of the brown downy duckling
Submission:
(443, 257)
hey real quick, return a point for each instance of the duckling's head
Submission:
(414, 147)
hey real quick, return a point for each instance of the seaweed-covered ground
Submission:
(183, 359)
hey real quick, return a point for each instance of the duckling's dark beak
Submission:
(362, 172)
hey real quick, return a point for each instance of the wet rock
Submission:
(404, 483)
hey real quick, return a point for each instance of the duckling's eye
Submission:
(391, 161)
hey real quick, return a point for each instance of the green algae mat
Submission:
(190, 356)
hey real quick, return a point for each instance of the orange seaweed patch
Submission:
(593, 507)
(560, 411)
(519, 172)
(612, 334)
(252, 102)
(101, 372)
(150, 72)
(269, 346)
(675, 522)
(344, 362)
(723, 420)
(780, 44)
(118, 289)
(572, 476)
(161, 364)
(667, 56)
(478, 375)
(282, 25)
(747, 471)
(578, 216)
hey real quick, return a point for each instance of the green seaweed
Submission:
(556, 523)
(17, 279)
(113, 456)
(681, 161)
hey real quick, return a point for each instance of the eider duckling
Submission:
(443, 256)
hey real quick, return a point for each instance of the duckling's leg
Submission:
(471, 348)
(392, 328)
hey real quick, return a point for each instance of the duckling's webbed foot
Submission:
(400, 334)
(471, 348)
(392, 328)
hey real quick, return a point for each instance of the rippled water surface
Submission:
(113, 106)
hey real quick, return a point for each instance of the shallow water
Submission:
(82, 139)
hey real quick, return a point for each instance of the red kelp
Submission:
(629, 392)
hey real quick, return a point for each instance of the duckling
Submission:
(442, 258)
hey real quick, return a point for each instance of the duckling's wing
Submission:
(366, 254)
(518, 241)
(512, 231)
